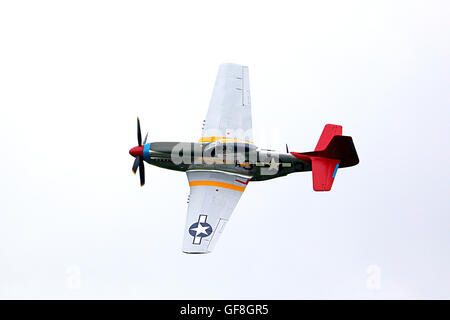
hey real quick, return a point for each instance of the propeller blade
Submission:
(136, 164)
(145, 139)
(287, 149)
(141, 171)
(139, 132)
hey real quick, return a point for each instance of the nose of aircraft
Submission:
(137, 151)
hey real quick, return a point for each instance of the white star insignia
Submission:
(274, 165)
(200, 229)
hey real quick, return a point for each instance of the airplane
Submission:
(221, 164)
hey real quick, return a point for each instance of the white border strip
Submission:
(220, 171)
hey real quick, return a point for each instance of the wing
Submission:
(229, 116)
(213, 197)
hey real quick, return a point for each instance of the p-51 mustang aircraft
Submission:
(223, 162)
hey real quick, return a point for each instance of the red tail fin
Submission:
(329, 131)
(323, 172)
(332, 151)
(323, 169)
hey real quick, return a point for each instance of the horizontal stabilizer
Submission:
(340, 147)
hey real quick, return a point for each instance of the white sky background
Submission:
(74, 222)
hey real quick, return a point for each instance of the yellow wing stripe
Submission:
(216, 184)
(222, 139)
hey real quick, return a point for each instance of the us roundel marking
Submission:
(200, 229)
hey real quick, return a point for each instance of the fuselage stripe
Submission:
(222, 139)
(216, 184)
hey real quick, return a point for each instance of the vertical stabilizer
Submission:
(329, 131)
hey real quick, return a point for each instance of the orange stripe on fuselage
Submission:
(216, 184)
(223, 139)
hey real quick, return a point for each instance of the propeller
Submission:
(287, 149)
(137, 152)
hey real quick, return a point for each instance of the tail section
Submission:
(329, 131)
(323, 171)
(333, 151)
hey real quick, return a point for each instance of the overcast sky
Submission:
(74, 222)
